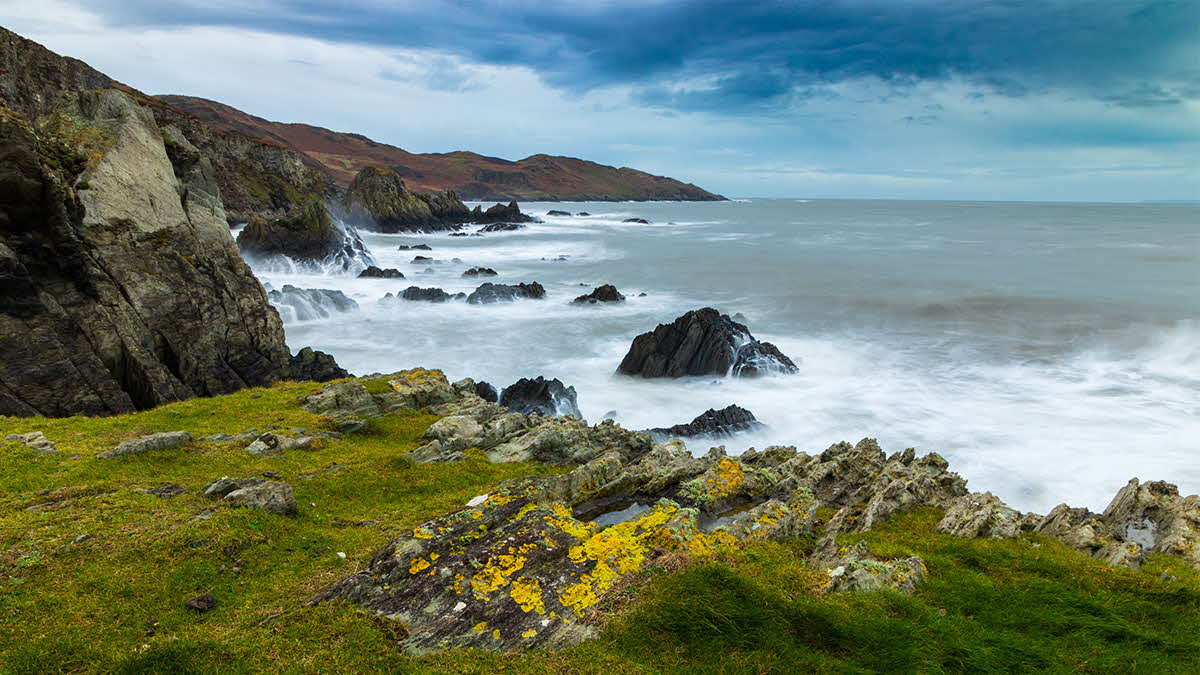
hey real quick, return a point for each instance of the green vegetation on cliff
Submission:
(97, 560)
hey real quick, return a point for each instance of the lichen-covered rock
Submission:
(270, 443)
(343, 399)
(221, 487)
(855, 569)
(457, 432)
(565, 440)
(160, 441)
(269, 496)
(36, 441)
(977, 515)
(702, 342)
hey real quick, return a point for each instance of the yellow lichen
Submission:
(417, 565)
(422, 533)
(496, 634)
(527, 593)
(479, 627)
(529, 633)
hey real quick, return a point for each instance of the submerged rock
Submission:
(714, 423)
(489, 293)
(550, 398)
(501, 227)
(703, 342)
(418, 294)
(641, 221)
(309, 304)
(554, 212)
(605, 293)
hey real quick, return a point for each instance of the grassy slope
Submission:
(115, 601)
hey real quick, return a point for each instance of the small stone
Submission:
(476, 501)
(341, 555)
(273, 497)
(202, 603)
(81, 538)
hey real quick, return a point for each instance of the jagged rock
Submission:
(377, 199)
(489, 293)
(480, 272)
(160, 441)
(555, 212)
(309, 304)
(418, 294)
(725, 422)
(309, 365)
(550, 398)
(35, 440)
(435, 452)
(524, 565)
(374, 272)
(486, 392)
(500, 214)
(563, 440)
(605, 293)
(641, 221)
(128, 294)
(980, 515)
(417, 247)
(502, 227)
(221, 487)
(702, 342)
(270, 496)
(310, 235)
(457, 431)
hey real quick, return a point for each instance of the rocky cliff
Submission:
(472, 176)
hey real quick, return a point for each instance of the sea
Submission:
(1049, 351)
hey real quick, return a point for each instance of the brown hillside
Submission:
(473, 176)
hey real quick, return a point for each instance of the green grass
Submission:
(114, 602)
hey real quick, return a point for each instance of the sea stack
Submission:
(703, 342)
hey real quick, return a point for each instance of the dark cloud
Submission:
(736, 55)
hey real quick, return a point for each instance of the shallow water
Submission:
(1049, 351)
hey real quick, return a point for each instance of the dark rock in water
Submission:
(419, 247)
(561, 258)
(501, 227)
(583, 213)
(128, 294)
(714, 423)
(641, 295)
(489, 293)
(427, 270)
(480, 271)
(549, 398)
(308, 304)
(605, 293)
(374, 272)
(558, 213)
(486, 392)
(456, 260)
(500, 214)
(460, 234)
(643, 221)
(422, 259)
(308, 236)
(703, 342)
(430, 294)
(202, 603)
(377, 199)
(309, 365)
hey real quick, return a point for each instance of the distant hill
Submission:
(473, 176)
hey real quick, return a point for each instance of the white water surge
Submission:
(1050, 352)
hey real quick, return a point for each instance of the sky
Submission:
(1040, 100)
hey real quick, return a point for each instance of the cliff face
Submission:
(472, 176)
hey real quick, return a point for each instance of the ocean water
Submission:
(1049, 351)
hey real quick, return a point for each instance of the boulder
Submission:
(221, 487)
(605, 293)
(374, 272)
(554, 212)
(274, 444)
(308, 236)
(343, 400)
(270, 496)
(480, 272)
(489, 293)
(500, 213)
(702, 342)
(712, 423)
(418, 294)
(160, 441)
(309, 365)
(549, 398)
(978, 515)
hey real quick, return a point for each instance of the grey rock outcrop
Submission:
(269, 496)
(221, 487)
(702, 342)
(160, 441)
(35, 440)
